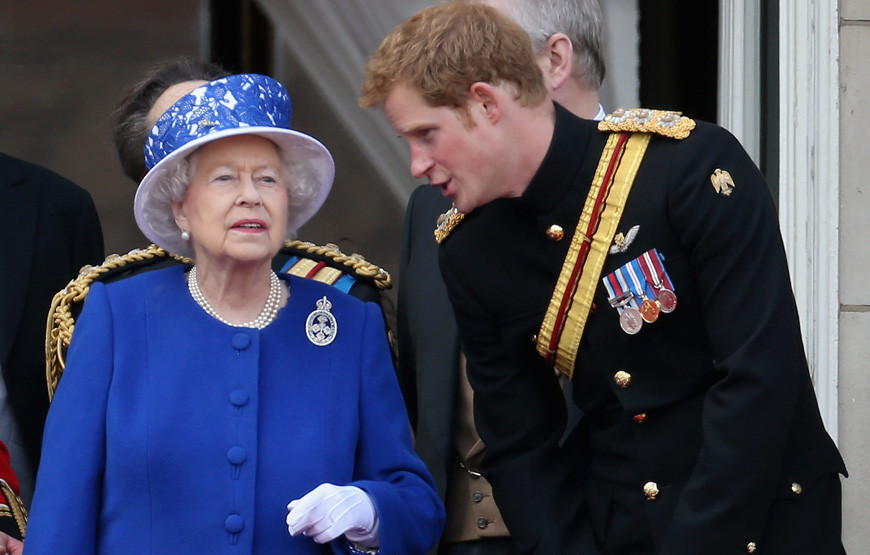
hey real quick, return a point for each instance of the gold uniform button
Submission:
(796, 488)
(639, 418)
(555, 232)
(651, 490)
(751, 547)
(622, 379)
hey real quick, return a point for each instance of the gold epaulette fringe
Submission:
(642, 120)
(61, 322)
(355, 263)
(447, 222)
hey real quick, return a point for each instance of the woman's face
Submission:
(236, 203)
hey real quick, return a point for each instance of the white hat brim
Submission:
(312, 162)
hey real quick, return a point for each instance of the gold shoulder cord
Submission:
(61, 323)
(355, 263)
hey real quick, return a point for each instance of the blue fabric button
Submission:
(239, 397)
(234, 523)
(241, 341)
(237, 455)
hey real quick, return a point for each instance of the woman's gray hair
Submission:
(173, 188)
(579, 20)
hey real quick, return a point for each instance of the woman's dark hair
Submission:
(130, 126)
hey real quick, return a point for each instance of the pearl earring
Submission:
(185, 235)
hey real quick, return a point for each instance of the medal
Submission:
(649, 311)
(621, 298)
(656, 275)
(668, 300)
(649, 308)
(321, 326)
(640, 291)
(630, 320)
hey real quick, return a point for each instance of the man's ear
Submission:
(557, 60)
(486, 98)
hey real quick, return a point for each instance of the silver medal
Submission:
(321, 326)
(630, 320)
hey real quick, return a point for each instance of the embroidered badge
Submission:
(722, 182)
(447, 222)
(321, 326)
(621, 242)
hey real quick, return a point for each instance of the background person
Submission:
(231, 390)
(700, 431)
(13, 515)
(50, 229)
(568, 47)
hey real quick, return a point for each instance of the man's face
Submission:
(453, 153)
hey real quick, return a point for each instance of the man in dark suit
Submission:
(50, 229)
(431, 370)
(641, 257)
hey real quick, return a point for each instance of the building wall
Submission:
(854, 385)
(64, 67)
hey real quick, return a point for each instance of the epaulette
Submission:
(329, 265)
(642, 120)
(446, 223)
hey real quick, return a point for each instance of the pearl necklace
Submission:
(269, 312)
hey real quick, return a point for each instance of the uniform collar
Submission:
(563, 160)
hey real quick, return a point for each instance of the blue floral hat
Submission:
(233, 105)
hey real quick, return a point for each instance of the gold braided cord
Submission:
(356, 262)
(61, 323)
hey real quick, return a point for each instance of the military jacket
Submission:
(723, 424)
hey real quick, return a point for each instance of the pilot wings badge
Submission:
(321, 326)
(621, 242)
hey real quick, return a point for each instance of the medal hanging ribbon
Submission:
(649, 308)
(621, 297)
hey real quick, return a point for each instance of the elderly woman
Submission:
(200, 404)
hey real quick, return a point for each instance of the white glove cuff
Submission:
(367, 538)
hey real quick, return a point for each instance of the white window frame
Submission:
(808, 159)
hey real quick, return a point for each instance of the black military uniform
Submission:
(701, 433)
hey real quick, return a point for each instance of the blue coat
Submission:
(171, 432)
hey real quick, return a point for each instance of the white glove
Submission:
(329, 511)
